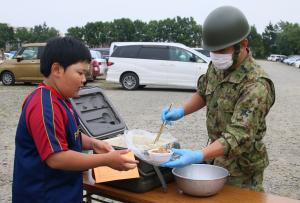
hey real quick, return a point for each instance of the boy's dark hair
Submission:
(65, 51)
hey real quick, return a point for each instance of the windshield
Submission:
(95, 54)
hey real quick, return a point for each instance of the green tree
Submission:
(76, 32)
(181, 30)
(269, 39)
(6, 34)
(92, 33)
(152, 31)
(288, 41)
(140, 31)
(256, 43)
(41, 33)
(106, 37)
(122, 30)
(188, 32)
(22, 35)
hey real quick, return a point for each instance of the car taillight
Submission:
(95, 63)
(109, 63)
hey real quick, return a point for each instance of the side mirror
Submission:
(193, 59)
(19, 58)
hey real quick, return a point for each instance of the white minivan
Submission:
(137, 64)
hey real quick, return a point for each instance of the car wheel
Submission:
(130, 81)
(8, 78)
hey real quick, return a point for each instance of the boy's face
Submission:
(70, 80)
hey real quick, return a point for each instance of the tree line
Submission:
(279, 38)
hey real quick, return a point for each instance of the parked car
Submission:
(276, 57)
(203, 51)
(25, 65)
(297, 64)
(137, 64)
(8, 55)
(103, 51)
(282, 58)
(98, 64)
(291, 59)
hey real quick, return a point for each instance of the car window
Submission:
(179, 54)
(154, 52)
(95, 54)
(204, 52)
(29, 53)
(126, 51)
(41, 51)
(104, 52)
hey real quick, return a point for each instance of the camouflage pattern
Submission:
(253, 182)
(237, 104)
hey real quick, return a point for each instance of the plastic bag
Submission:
(141, 141)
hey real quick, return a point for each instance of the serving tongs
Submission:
(162, 127)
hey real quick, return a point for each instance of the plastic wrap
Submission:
(141, 141)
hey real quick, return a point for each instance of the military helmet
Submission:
(223, 27)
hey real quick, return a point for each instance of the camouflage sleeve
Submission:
(249, 113)
(201, 86)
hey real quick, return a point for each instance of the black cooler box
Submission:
(99, 119)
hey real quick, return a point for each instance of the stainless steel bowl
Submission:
(200, 179)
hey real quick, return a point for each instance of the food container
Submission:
(200, 179)
(160, 155)
(140, 142)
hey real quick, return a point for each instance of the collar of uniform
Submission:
(54, 91)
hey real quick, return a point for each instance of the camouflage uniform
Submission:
(237, 104)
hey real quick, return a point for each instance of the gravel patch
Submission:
(141, 109)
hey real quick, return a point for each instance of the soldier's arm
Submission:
(250, 112)
(213, 150)
(194, 103)
(197, 101)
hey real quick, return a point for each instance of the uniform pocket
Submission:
(248, 166)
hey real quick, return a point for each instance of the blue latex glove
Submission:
(187, 157)
(171, 115)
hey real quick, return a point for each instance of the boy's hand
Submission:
(100, 147)
(118, 161)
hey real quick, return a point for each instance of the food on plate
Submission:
(160, 155)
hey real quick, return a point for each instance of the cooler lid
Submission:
(97, 116)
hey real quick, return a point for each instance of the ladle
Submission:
(161, 127)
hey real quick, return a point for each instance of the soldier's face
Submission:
(230, 50)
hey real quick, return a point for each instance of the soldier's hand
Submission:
(186, 157)
(171, 115)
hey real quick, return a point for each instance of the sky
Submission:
(63, 14)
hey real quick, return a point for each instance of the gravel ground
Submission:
(141, 109)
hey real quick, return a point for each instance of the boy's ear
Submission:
(56, 69)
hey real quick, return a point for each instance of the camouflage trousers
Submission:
(252, 182)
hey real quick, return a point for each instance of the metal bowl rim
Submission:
(177, 175)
